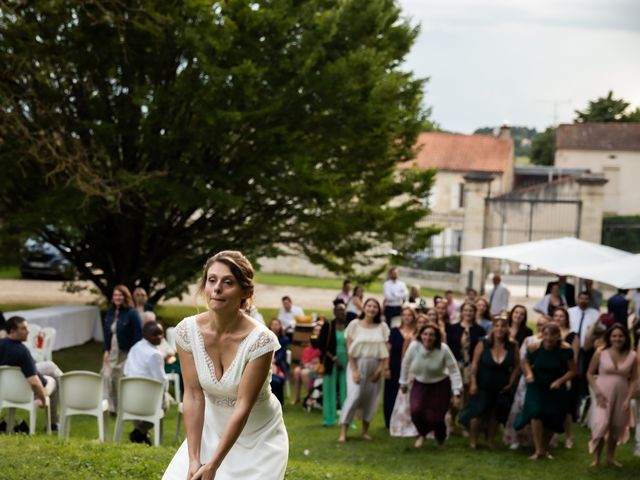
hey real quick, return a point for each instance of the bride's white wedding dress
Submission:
(262, 449)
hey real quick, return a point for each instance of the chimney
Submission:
(504, 133)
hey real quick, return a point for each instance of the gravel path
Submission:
(46, 292)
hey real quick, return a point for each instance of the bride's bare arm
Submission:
(253, 378)
(193, 405)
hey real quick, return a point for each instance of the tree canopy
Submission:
(543, 147)
(608, 109)
(140, 137)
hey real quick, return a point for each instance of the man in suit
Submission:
(567, 290)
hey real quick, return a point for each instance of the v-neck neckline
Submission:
(209, 360)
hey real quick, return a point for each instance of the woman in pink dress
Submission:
(617, 373)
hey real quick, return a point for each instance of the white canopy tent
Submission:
(562, 256)
(621, 273)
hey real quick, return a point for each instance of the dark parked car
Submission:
(42, 260)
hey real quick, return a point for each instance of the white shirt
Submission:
(145, 360)
(591, 316)
(499, 299)
(430, 366)
(288, 319)
(395, 293)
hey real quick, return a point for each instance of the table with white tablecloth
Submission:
(74, 324)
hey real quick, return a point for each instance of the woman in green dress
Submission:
(494, 372)
(333, 345)
(548, 366)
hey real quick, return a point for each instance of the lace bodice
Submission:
(224, 391)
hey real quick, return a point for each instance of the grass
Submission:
(313, 451)
(326, 283)
(309, 282)
(9, 273)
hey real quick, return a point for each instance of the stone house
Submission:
(454, 156)
(611, 149)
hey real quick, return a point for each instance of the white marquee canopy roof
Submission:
(563, 256)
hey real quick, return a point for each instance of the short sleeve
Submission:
(183, 338)
(350, 331)
(385, 331)
(27, 364)
(264, 343)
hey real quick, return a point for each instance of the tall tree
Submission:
(608, 109)
(140, 136)
(543, 147)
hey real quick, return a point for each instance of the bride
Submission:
(233, 422)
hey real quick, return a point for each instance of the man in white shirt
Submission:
(395, 294)
(146, 360)
(499, 296)
(287, 315)
(581, 318)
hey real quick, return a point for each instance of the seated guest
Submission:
(287, 315)
(277, 381)
(280, 356)
(309, 359)
(146, 360)
(14, 353)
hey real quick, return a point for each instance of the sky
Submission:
(523, 62)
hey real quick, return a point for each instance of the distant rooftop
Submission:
(599, 136)
(457, 152)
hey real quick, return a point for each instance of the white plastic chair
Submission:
(175, 379)
(49, 340)
(179, 417)
(15, 392)
(170, 335)
(34, 330)
(81, 394)
(140, 399)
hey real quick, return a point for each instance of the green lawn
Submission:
(81, 457)
(309, 282)
(328, 283)
(9, 273)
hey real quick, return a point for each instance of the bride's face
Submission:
(222, 291)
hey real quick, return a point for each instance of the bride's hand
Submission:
(205, 472)
(194, 466)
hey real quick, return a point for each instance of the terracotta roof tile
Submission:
(599, 136)
(467, 153)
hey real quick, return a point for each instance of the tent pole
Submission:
(527, 292)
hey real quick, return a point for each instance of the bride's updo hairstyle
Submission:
(241, 269)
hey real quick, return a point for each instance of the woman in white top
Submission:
(234, 423)
(368, 360)
(436, 376)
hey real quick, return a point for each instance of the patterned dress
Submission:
(261, 451)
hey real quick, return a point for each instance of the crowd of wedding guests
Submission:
(441, 366)
(474, 367)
